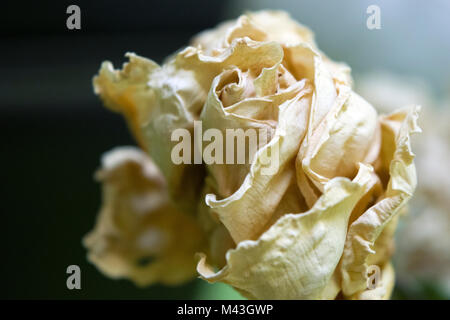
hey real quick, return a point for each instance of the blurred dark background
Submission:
(55, 129)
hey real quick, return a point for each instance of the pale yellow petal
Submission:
(122, 91)
(267, 25)
(297, 256)
(138, 234)
(280, 27)
(366, 229)
(157, 100)
(249, 116)
(246, 212)
(340, 142)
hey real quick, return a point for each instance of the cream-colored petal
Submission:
(384, 246)
(267, 25)
(122, 90)
(246, 212)
(138, 234)
(157, 100)
(255, 117)
(215, 41)
(280, 27)
(296, 257)
(168, 102)
(365, 230)
(305, 62)
(339, 143)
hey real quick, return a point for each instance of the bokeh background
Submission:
(54, 128)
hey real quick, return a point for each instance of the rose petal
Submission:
(246, 212)
(339, 143)
(296, 257)
(138, 234)
(365, 230)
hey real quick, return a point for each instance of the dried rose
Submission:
(315, 205)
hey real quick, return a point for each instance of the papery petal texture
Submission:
(137, 231)
(292, 185)
(296, 257)
(366, 229)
